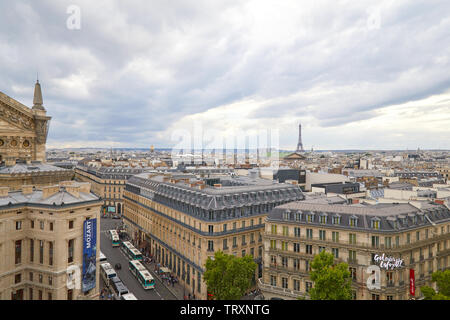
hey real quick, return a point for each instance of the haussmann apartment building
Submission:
(417, 234)
(182, 219)
(41, 237)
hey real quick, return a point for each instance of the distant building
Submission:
(338, 188)
(295, 156)
(107, 183)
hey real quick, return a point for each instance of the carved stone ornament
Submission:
(13, 116)
(41, 131)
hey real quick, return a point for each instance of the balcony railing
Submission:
(281, 291)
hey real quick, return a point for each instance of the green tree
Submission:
(442, 279)
(331, 281)
(228, 277)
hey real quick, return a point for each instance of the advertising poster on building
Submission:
(412, 284)
(89, 254)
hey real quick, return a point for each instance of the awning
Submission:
(164, 270)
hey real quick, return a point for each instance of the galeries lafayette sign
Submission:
(388, 262)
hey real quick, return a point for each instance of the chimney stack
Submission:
(27, 189)
(4, 191)
(49, 191)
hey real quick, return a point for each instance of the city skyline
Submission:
(357, 76)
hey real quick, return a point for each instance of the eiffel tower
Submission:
(300, 144)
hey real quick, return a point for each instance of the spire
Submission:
(37, 99)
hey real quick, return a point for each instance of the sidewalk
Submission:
(176, 289)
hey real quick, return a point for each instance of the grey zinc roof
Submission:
(255, 192)
(36, 198)
(112, 172)
(392, 217)
(29, 168)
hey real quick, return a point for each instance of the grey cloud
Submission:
(210, 62)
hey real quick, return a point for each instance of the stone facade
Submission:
(107, 183)
(182, 221)
(296, 232)
(23, 135)
(41, 236)
(23, 131)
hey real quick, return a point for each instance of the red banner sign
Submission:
(412, 283)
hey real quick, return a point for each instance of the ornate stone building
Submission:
(23, 131)
(23, 135)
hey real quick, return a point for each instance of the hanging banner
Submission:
(89, 254)
(412, 282)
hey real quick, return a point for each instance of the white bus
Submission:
(107, 272)
(142, 274)
(128, 296)
(102, 257)
(114, 236)
(119, 289)
(130, 251)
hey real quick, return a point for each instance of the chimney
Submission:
(4, 191)
(85, 187)
(201, 186)
(49, 191)
(27, 189)
(217, 185)
(66, 183)
(74, 190)
(9, 162)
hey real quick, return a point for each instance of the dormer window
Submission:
(323, 218)
(336, 220)
(309, 217)
(286, 215)
(298, 216)
(353, 222)
(375, 223)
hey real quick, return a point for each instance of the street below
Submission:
(115, 255)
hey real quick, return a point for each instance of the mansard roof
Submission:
(392, 217)
(255, 192)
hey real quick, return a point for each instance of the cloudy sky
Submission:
(141, 72)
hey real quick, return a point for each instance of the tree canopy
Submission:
(228, 277)
(331, 281)
(442, 279)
